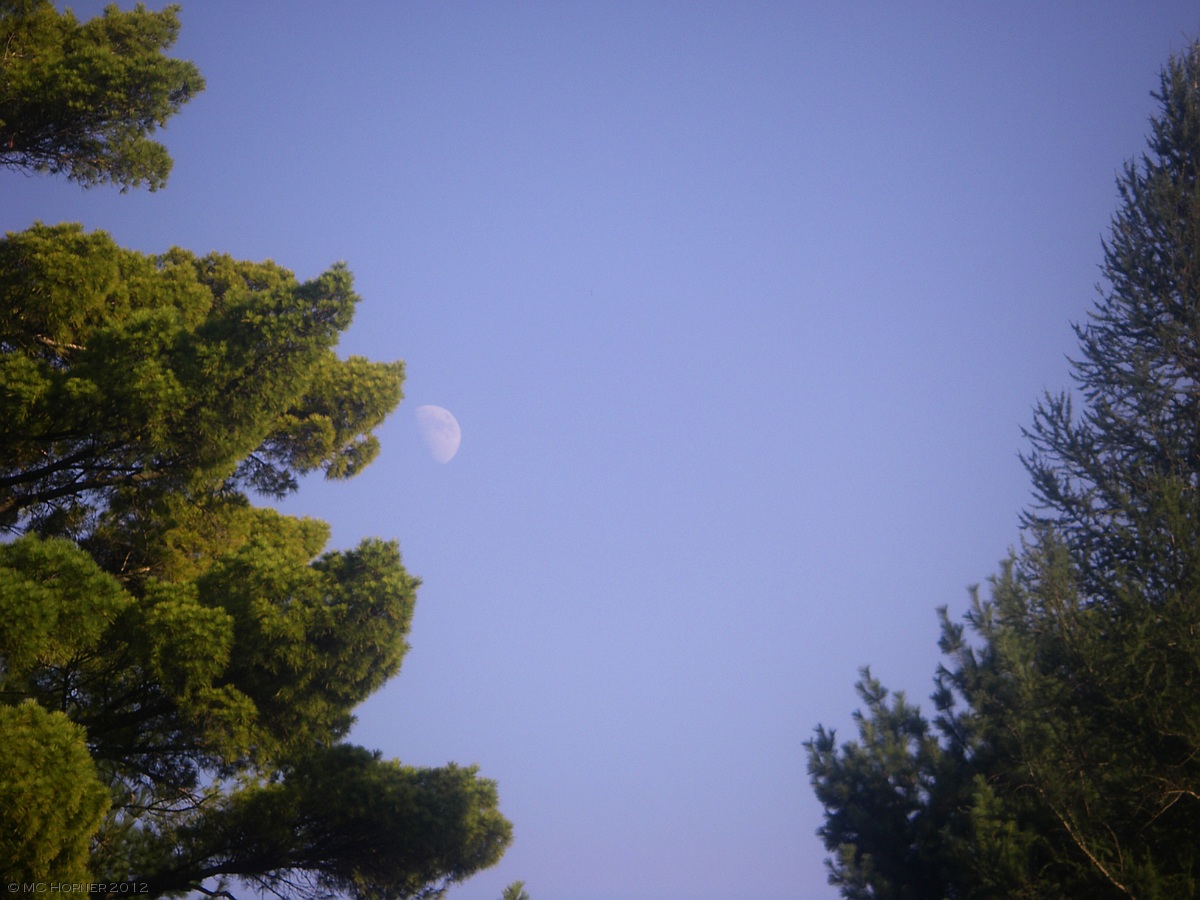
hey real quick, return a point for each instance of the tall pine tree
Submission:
(1065, 756)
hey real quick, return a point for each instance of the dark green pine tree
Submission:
(1065, 756)
(1117, 487)
(1117, 481)
(515, 891)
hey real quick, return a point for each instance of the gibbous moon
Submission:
(440, 431)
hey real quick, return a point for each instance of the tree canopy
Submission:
(125, 373)
(82, 98)
(178, 666)
(1063, 757)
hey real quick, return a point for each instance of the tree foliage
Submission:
(214, 709)
(1064, 759)
(178, 667)
(515, 891)
(123, 373)
(350, 822)
(52, 799)
(82, 99)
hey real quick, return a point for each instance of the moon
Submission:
(440, 430)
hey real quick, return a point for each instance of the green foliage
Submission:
(213, 652)
(178, 668)
(314, 639)
(51, 797)
(352, 822)
(881, 792)
(1118, 480)
(515, 891)
(122, 373)
(213, 707)
(1063, 760)
(81, 99)
(261, 658)
(55, 603)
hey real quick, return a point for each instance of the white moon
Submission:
(440, 431)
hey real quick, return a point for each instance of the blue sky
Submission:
(741, 308)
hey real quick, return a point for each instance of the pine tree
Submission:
(82, 99)
(178, 667)
(124, 374)
(1069, 703)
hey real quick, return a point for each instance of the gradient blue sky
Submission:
(741, 307)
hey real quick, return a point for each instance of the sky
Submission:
(741, 308)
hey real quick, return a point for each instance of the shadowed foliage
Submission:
(1063, 760)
